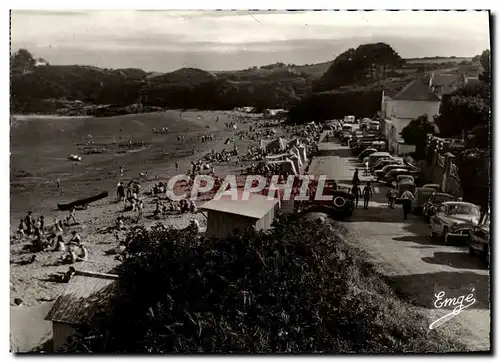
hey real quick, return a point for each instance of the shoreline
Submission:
(23, 117)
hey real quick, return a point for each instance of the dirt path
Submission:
(415, 266)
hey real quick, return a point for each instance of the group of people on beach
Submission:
(51, 238)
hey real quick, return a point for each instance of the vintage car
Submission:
(392, 175)
(403, 183)
(479, 242)
(367, 152)
(422, 194)
(431, 205)
(341, 205)
(435, 187)
(380, 164)
(344, 141)
(454, 221)
(379, 145)
(374, 157)
(380, 174)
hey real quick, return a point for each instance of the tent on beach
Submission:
(274, 145)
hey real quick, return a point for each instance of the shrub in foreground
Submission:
(297, 289)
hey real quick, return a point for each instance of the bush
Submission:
(298, 288)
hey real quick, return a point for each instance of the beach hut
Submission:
(78, 303)
(226, 215)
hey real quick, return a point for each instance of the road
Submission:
(416, 266)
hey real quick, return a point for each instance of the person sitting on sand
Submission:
(76, 249)
(58, 244)
(38, 242)
(157, 213)
(71, 217)
(66, 277)
(119, 223)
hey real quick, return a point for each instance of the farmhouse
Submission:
(86, 293)
(413, 101)
(226, 215)
(442, 84)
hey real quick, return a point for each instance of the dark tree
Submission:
(367, 62)
(22, 60)
(464, 109)
(415, 133)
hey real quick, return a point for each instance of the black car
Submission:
(341, 205)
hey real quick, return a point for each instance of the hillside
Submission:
(85, 90)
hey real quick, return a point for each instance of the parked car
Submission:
(374, 157)
(380, 164)
(379, 145)
(457, 144)
(454, 221)
(374, 125)
(479, 242)
(391, 176)
(422, 194)
(367, 152)
(340, 207)
(346, 128)
(436, 199)
(405, 184)
(435, 187)
(380, 174)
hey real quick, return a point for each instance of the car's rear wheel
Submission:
(471, 251)
(433, 235)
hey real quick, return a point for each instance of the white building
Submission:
(414, 100)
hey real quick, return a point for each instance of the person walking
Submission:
(355, 191)
(355, 177)
(367, 194)
(176, 165)
(407, 197)
(391, 197)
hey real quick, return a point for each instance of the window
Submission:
(441, 209)
(463, 210)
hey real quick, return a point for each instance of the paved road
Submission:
(415, 266)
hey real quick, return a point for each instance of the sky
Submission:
(164, 41)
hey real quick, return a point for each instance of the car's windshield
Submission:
(463, 210)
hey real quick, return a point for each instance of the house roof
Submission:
(255, 207)
(84, 295)
(416, 90)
